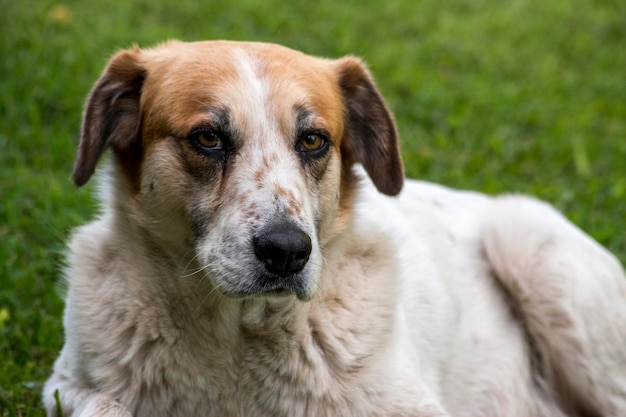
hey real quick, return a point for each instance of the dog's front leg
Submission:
(62, 397)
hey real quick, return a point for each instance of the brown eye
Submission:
(209, 139)
(312, 142)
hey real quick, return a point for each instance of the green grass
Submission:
(525, 95)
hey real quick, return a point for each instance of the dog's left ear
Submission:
(371, 136)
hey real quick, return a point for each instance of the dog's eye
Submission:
(312, 142)
(208, 139)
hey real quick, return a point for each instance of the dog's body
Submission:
(245, 265)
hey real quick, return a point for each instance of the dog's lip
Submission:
(277, 288)
(282, 291)
(303, 296)
(272, 284)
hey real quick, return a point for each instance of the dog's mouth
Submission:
(273, 285)
(268, 285)
(261, 283)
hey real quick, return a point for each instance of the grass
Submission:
(524, 96)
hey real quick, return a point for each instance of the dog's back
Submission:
(534, 306)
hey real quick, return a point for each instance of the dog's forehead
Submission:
(187, 80)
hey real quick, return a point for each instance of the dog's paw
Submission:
(102, 406)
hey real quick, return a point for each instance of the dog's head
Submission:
(241, 153)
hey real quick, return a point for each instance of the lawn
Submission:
(523, 96)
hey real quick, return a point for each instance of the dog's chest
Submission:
(259, 367)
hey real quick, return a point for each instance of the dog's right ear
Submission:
(112, 116)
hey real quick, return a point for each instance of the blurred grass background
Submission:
(524, 95)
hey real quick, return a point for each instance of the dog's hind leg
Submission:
(571, 295)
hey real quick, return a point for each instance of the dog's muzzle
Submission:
(283, 248)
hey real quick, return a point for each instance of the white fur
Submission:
(452, 343)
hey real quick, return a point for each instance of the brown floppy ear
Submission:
(371, 136)
(112, 115)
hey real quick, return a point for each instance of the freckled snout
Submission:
(283, 248)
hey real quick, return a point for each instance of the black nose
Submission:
(283, 248)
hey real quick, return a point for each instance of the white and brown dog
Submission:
(249, 260)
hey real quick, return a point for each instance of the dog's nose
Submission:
(283, 248)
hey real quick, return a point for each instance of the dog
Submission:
(260, 253)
